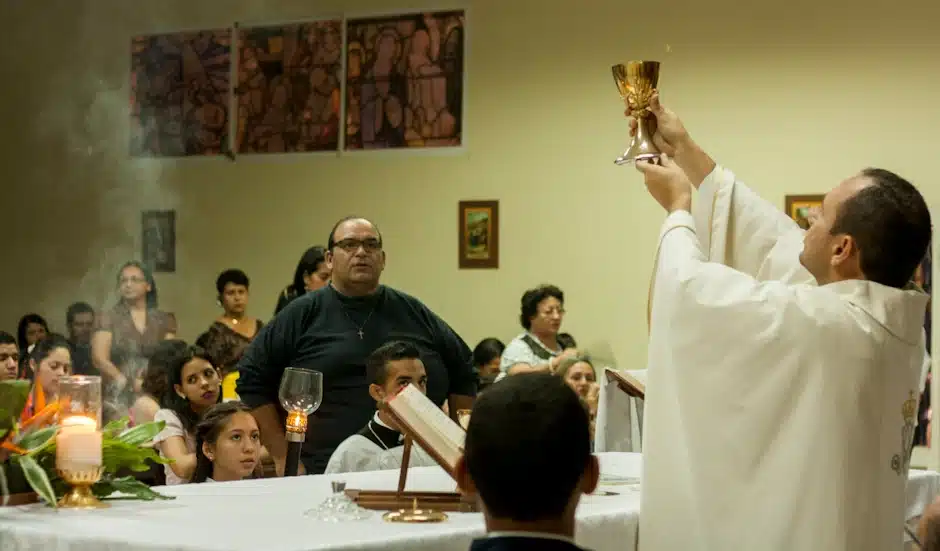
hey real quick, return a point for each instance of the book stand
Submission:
(389, 500)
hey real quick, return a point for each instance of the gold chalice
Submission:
(636, 82)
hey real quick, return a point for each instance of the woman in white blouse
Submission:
(194, 386)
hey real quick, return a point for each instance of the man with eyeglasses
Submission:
(333, 330)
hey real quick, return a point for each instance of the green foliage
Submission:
(122, 449)
(13, 397)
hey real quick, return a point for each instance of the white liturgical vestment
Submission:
(377, 447)
(779, 414)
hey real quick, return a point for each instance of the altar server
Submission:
(784, 367)
(379, 444)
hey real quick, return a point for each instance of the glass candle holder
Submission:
(79, 439)
(80, 396)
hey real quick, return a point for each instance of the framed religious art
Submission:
(179, 93)
(478, 226)
(405, 81)
(288, 88)
(158, 237)
(799, 206)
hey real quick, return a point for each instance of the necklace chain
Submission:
(377, 436)
(359, 327)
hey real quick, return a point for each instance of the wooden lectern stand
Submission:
(627, 383)
(419, 424)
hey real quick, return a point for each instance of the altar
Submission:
(269, 515)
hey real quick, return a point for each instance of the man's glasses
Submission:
(352, 245)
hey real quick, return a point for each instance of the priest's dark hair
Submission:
(890, 222)
(377, 362)
(234, 276)
(527, 447)
(331, 242)
(208, 430)
(174, 376)
(531, 300)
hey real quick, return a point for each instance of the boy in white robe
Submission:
(379, 445)
(779, 412)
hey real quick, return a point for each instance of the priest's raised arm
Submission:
(735, 226)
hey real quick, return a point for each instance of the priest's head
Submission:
(873, 226)
(355, 256)
(393, 366)
(527, 455)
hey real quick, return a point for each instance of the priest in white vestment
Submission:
(379, 445)
(784, 367)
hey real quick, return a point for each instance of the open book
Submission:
(429, 426)
(627, 382)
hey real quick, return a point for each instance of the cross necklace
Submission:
(359, 328)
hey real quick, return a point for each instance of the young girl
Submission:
(49, 360)
(193, 387)
(228, 444)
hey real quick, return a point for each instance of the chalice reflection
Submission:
(636, 81)
(300, 394)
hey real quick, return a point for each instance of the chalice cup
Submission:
(636, 81)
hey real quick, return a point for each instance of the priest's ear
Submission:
(591, 476)
(464, 482)
(844, 249)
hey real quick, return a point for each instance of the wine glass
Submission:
(301, 390)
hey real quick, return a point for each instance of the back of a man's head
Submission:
(528, 447)
(890, 223)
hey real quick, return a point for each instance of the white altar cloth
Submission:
(268, 515)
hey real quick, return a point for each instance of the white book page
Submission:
(431, 423)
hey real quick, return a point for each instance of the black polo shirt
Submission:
(320, 331)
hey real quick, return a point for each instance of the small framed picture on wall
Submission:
(798, 207)
(478, 225)
(158, 237)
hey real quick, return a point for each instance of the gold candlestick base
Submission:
(415, 515)
(80, 496)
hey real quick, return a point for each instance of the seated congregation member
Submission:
(193, 387)
(379, 445)
(232, 332)
(9, 356)
(579, 373)
(312, 273)
(527, 457)
(333, 330)
(80, 320)
(50, 359)
(537, 348)
(486, 357)
(153, 381)
(31, 329)
(228, 444)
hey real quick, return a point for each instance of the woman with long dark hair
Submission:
(312, 273)
(31, 329)
(228, 444)
(193, 386)
(128, 334)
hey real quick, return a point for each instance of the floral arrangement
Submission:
(29, 445)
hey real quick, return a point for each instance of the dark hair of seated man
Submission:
(527, 456)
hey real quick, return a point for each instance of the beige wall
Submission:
(793, 97)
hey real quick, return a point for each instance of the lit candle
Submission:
(78, 444)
